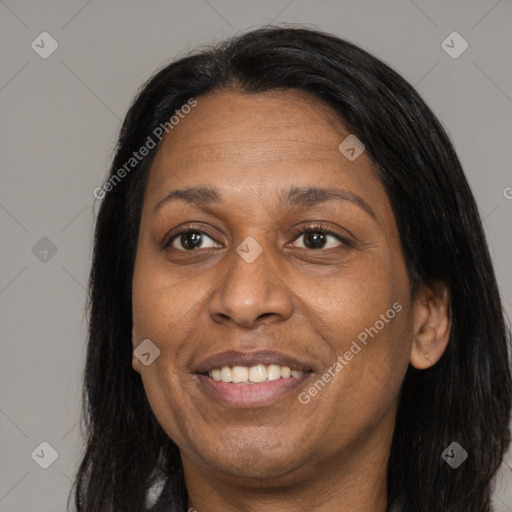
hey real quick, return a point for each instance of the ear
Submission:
(135, 360)
(432, 321)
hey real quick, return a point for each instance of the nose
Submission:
(251, 292)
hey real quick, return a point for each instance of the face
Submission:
(272, 275)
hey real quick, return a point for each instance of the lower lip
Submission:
(251, 395)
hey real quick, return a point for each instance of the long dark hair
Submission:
(464, 398)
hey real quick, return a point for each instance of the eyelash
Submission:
(315, 228)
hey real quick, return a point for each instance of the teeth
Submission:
(273, 372)
(254, 374)
(257, 373)
(240, 374)
(225, 374)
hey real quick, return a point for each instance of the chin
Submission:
(255, 465)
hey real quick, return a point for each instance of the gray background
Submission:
(59, 121)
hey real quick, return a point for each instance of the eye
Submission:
(316, 237)
(189, 239)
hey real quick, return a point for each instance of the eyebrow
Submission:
(301, 197)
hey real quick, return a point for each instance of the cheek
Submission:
(164, 307)
(363, 317)
(357, 298)
(162, 312)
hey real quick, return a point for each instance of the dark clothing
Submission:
(173, 497)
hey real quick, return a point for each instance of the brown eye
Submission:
(318, 237)
(188, 240)
(315, 240)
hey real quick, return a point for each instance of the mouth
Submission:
(252, 379)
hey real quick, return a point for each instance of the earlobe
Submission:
(423, 354)
(431, 324)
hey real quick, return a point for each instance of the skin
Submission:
(310, 301)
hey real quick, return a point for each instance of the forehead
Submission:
(256, 143)
(227, 116)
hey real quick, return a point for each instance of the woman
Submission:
(292, 304)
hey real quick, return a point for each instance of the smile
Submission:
(243, 392)
(253, 374)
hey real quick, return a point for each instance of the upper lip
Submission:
(253, 358)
